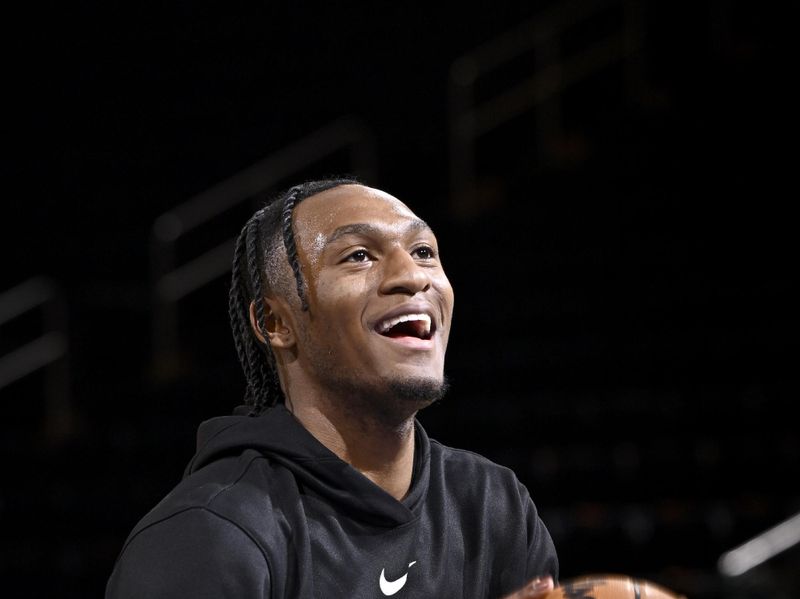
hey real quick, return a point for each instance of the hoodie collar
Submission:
(280, 437)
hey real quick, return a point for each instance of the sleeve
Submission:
(195, 553)
(542, 557)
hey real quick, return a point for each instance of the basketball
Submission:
(610, 586)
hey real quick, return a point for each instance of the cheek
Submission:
(340, 302)
(442, 284)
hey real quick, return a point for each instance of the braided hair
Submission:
(257, 269)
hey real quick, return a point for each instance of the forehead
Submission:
(319, 216)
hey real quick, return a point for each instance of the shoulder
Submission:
(477, 484)
(190, 552)
(455, 464)
(217, 523)
(224, 490)
(491, 501)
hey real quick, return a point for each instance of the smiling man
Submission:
(324, 484)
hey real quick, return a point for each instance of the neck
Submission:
(382, 451)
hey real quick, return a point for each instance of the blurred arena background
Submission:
(610, 182)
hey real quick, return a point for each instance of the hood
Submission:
(280, 437)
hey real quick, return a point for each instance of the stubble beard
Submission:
(389, 401)
(418, 390)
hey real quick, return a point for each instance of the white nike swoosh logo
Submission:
(388, 587)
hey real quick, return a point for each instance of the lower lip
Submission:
(411, 342)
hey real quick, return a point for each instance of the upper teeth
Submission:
(390, 322)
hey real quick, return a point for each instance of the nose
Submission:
(402, 274)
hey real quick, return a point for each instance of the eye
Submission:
(358, 256)
(424, 252)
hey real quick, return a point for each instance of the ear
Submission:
(279, 333)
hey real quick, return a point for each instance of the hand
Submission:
(535, 589)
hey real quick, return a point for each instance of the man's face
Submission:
(380, 305)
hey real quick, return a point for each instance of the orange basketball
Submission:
(610, 586)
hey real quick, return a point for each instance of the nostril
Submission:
(403, 274)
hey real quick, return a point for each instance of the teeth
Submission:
(389, 323)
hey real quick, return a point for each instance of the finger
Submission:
(538, 587)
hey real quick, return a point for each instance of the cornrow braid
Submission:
(258, 385)
(259, 372)
(235, 301)
(290, 245)
(256, 271)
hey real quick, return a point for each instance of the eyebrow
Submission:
(369, 230)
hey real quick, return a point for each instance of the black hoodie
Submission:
(265, 510)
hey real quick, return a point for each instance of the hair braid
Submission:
(239, 310)
(258, 384)
(289, 243)
(235, 303)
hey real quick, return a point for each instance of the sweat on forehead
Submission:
(369, 229)
(323, 217)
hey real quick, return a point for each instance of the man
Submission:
(325, 485)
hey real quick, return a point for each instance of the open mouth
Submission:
(418, 326)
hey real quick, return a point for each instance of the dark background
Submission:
(626, 317)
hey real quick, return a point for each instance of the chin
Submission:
(397, 400)
(392, 400)
(418, 390)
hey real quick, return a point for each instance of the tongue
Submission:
(411, 328)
